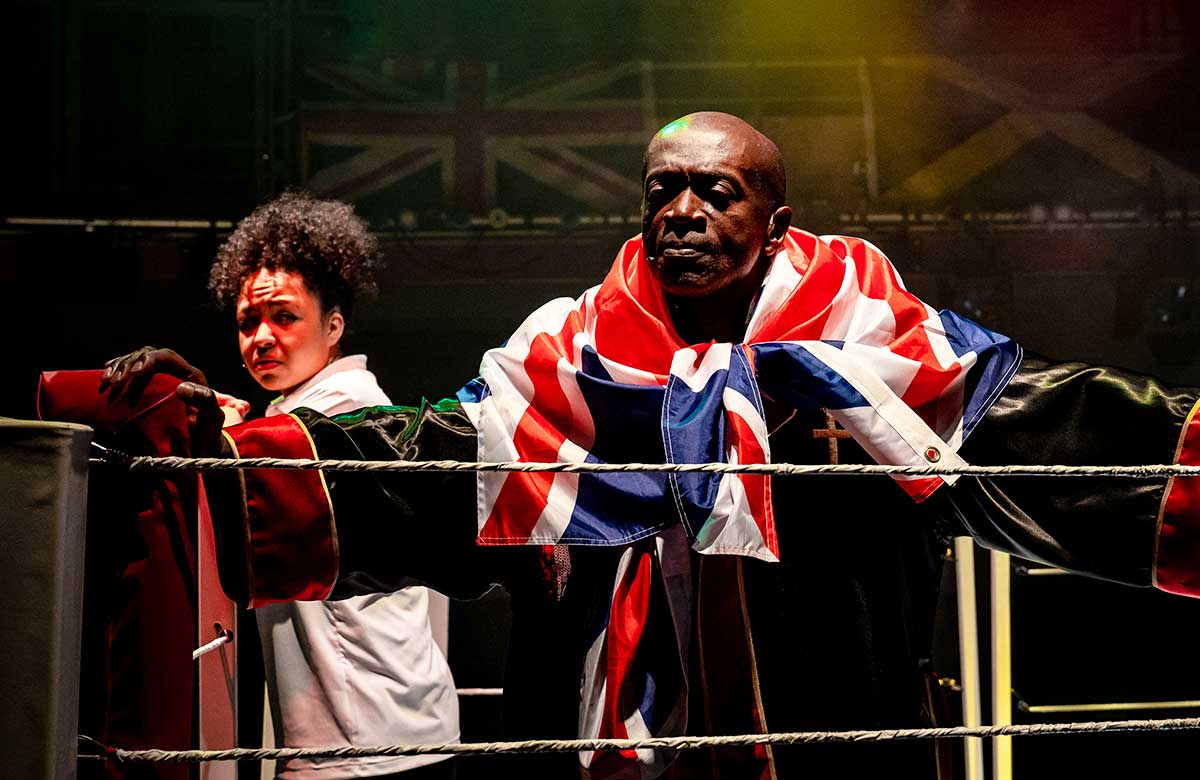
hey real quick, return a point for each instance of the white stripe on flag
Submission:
(556, 515)
(583, 429)
(842, 307)
(781, 279)
(503, 369)
(683, 365)
(893, 433)
(935, 331)
(896, 371)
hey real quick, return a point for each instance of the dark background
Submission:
(1058, 204)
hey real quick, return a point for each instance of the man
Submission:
(722, 334)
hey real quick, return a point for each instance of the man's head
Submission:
(713, 208)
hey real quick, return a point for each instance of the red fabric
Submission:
(538, 437)
(757, 486)
(139, 593)
(626, 622)
(74, 396)
(1177, 564)
(631, 301)
(290, 532)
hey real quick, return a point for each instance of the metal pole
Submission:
(1113, 706)
(968, 651)
(1001, 571)
(870, 150)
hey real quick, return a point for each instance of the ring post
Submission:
(43, 510)
(1001, 574)
(968, 651)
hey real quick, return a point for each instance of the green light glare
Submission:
(672, 128)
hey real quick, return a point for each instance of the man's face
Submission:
(703, 224)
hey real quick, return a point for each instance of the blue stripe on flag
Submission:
(472, 392)
(693, 428)
(613, 507)
(998, 358)
(817, 386)
(591, 364)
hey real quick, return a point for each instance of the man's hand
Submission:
(131, 373)
(205, 419)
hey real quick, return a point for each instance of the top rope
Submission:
(142, 463)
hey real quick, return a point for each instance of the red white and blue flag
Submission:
(605, 378)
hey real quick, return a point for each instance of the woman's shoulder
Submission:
(350, 387)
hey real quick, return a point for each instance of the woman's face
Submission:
(283, 338)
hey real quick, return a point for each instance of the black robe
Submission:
(840, 630)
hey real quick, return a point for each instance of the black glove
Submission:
(131, 374)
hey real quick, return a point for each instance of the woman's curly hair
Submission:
(322, 240)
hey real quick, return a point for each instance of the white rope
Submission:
(669, 743)
(226, 464)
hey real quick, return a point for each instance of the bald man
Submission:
(654, 604)
(713, 216)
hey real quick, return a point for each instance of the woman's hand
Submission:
(234, 408)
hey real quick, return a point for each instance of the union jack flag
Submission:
(636, 671)
(605, 378)
(918, 129)
(472, 133)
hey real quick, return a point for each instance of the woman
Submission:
(363, 671)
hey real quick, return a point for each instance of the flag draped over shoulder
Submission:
(605, 378)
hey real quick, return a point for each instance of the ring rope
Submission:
(143, 463)
(671, 743)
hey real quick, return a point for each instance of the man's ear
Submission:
(335, 326)
(777, 228)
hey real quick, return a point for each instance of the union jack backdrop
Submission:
(922, 129)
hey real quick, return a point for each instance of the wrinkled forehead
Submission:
(698, 148)
(269, 284)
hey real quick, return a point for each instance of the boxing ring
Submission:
(44, 477)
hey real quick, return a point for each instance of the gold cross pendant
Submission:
(831, 433)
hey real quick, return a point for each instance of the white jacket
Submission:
(363, 671)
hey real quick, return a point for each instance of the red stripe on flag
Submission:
(927, 387)
(626, 625)
(920, 489)
(539, 436)
(757, 486)
(806, 312)
(877, 279)
(633, 326)
(523, 496)
(801, 248)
